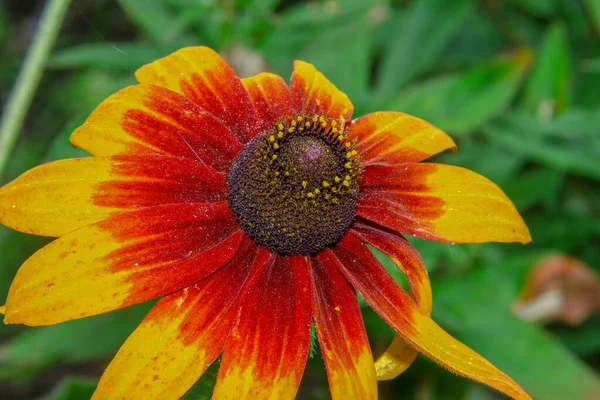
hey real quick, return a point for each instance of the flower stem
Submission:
(29, 77)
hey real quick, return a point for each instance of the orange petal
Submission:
(439, 202)
(396, 307)
(181, 336)
(267, 349)
(201, 75)
(152, 119)
(399, 355)
(313, 93)
(56, 198)
(270, 96)
(124, 260)
(2, 310)
(341, 334)
(390, 138)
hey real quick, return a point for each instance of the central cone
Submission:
(294, 189)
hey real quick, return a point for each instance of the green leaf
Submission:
(73, 341)
(119, 55)
(540, 7)
(460, 103)
(569, 143)
(153, 18)
(548, 88)
(538, 185)
(73, 388)
(416, 41)
(593, 7)
(476, 309)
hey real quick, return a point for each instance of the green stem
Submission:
(29, 77)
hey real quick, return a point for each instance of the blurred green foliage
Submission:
(516, 83)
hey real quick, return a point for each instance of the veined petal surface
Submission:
(124, 260)
(56, 198)
(181, 336)
(270, 96)
(341, 332)
(392, 138)
(152, 119)
(313, 93)
(439, 202)
(266, 352)
(201, 75)
(395, 306)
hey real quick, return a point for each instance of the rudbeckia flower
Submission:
(249, 207)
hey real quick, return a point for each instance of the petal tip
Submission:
(3, 310)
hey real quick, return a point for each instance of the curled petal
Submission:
(270, 96)
(181, 336)
(201, 75)
(151, 119)
(123, 260)
(396, 307)
(439, 202)
(313, 93)
(341, 334)
(267, 349)
(56, 198)
(391, 138)
(399, 355)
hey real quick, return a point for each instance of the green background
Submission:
(516, 83)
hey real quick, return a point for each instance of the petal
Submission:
(56, 198)
(270, 96)
(124, 260)
(439, 202)
(266, 352)
(389, 138)
(181, 336)
(313, 93)
(152, 119)
(201, 75)
(399, 355)
(388, 299)
(341, 334)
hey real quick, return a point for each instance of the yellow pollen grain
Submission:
(321, 119)
(307, 124)
(338, 179)
(346, 183)
(334, 129)
(300, 118)
(348, 144)
(274, 156)
(323, 124)
(310, 194)
(317, 191)
(280, 135)
(304, 184)
(294, 123)
(275, 146)
(315, 118)
(347, 178)
(348, 165)
(291, 129)
(327, 196)
(325, 184)
(280, 126)
(287, 173)
(333, 123)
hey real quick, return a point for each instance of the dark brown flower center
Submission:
(294, 188)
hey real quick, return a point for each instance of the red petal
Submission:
(204, 77)
(124, 260)
(313, 93)
(181, 336)
(152, 119)
(389, 138)
(439, 202)
(388, 299)
(341, 334)
(267, 350)
(270, 96)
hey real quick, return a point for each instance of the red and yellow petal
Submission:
(123, 260)
(181, 336)
(56, 198)
(201, 75)
(391, 138)
(266, 352)
(396, 307)
(439, 202)
(314, 94)
(151, 119)
(270, 96)
(341, 334)
(399, 355)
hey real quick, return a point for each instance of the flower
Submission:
(248, 206)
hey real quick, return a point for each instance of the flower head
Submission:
(247, 206)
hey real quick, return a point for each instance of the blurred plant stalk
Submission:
(29, 77)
